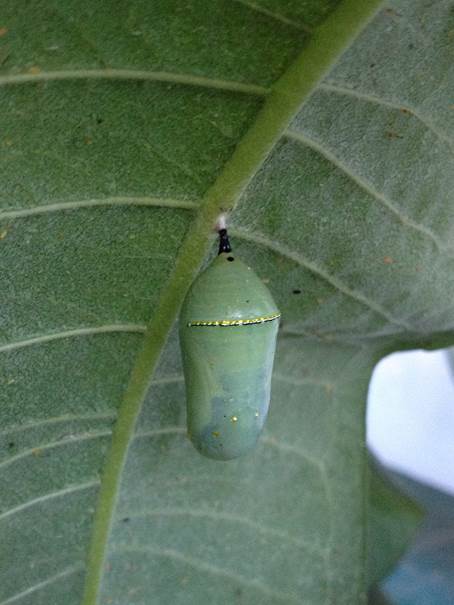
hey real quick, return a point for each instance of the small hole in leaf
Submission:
(296, 291)
(230, 258)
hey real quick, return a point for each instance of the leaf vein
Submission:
(205, 567)
(371, 98)
(73, 418)
(92, 203)
(35, 451)
(273, 15)
(232, 518)
(268, 439)
(167, 430)
(62, 574)
(310, 381)
(49, 496)
(56, 420)
(131, 74)
(107, 329)
(367, 187)
(311, 266)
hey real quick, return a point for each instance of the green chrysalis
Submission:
(228, 330)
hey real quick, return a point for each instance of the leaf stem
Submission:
(326, 44)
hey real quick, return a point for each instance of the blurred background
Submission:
(411, 430)
(410, 418)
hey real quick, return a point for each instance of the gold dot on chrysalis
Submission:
(256, 414)
(215, 433)
(234, 419)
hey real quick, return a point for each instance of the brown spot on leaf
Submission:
(3, 31)
(392, 134)
(329, 388)
(388, 260)
(392, 13)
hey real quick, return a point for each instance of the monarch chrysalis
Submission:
(228, 330)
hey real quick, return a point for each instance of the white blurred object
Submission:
(410, 416)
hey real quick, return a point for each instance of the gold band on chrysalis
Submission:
(229, 323)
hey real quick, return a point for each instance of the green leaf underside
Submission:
(351, 206)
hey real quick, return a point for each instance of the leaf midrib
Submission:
(281, 105)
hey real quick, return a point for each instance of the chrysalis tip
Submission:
(224, 243)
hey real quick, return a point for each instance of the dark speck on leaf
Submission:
(11, 444)
(230, 258)
(296, 291)
(125, 520)
(391, 134)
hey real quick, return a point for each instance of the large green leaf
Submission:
(124, 130)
